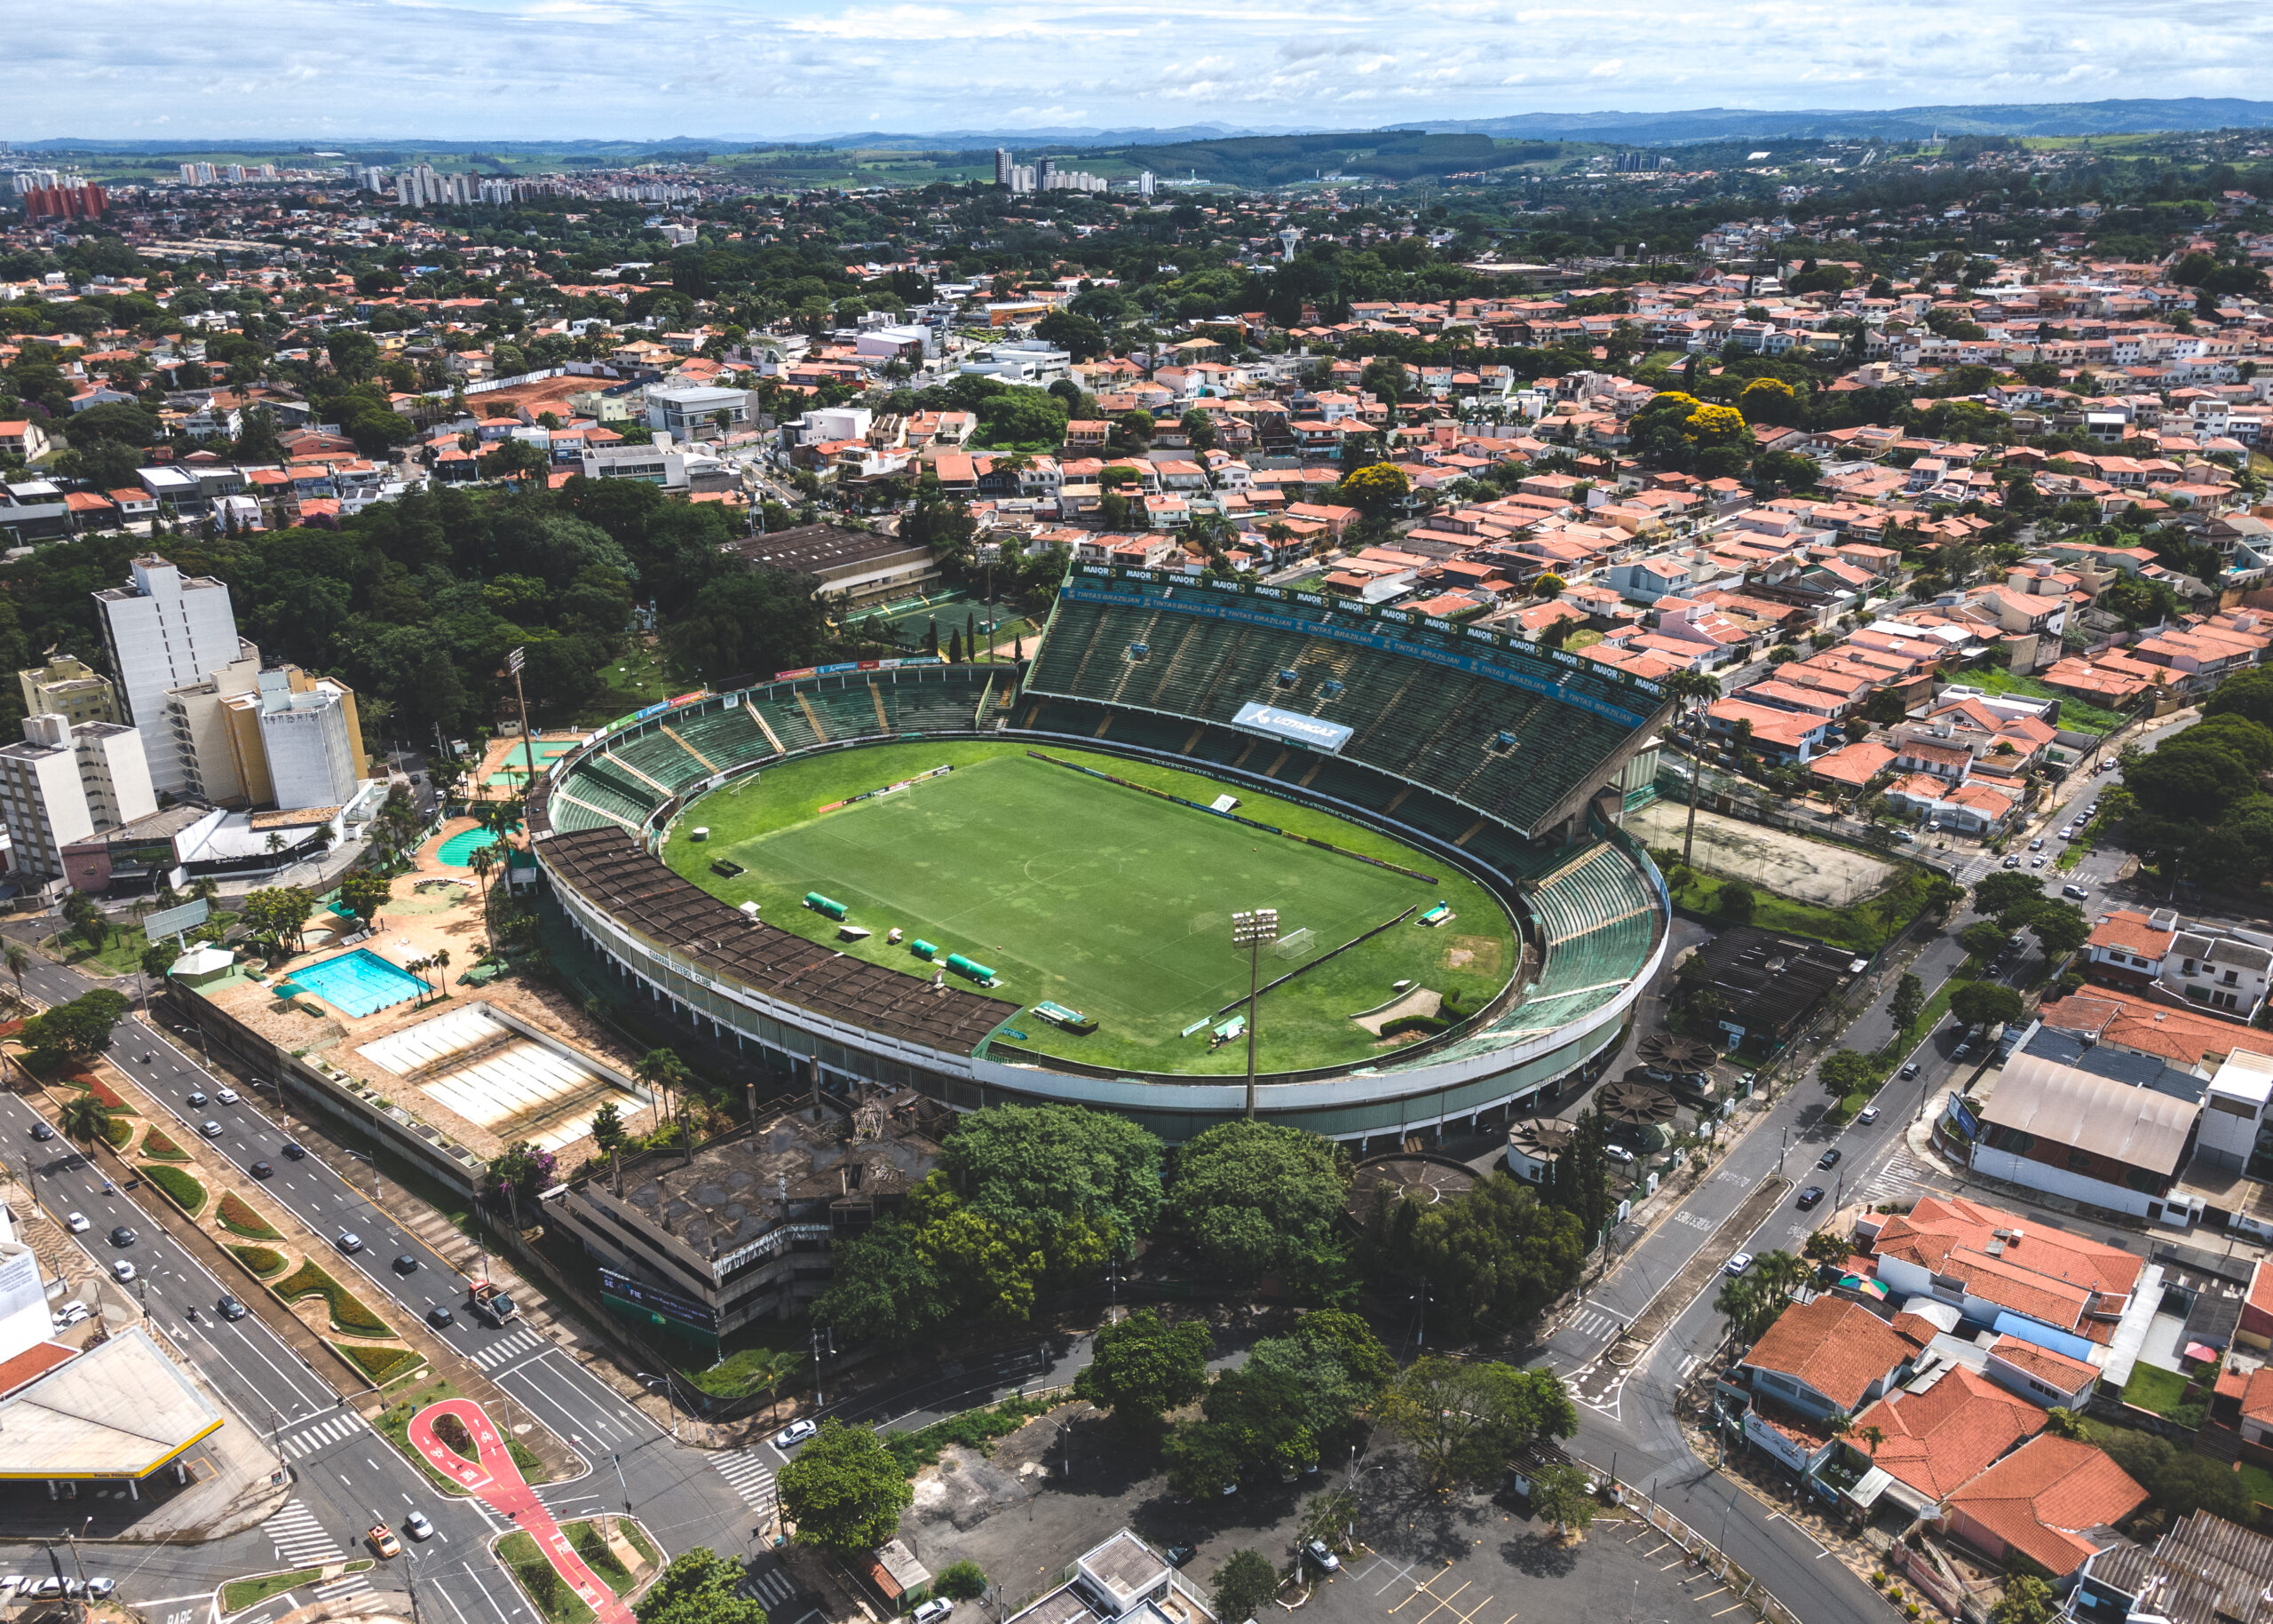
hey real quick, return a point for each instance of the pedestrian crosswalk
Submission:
(321, 1434)
(509, 1347)
(300, 1539)
(1592, 1322)
(354, 1584)
(773, 1587)
(1893, 1181)
(752, 1479)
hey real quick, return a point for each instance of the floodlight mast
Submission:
(1251, 931)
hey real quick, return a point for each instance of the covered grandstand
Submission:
(1504, 760)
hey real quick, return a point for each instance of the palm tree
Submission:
(768, 1368)
(1873, 1437)
(440, 960)
(484, 859)
(19, 959)
(662, 1070)
(84, 1118)
(1692, 691)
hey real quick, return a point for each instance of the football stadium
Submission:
(1001, 885)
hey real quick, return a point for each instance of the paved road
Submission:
(686, 1497)
(1627, 1423)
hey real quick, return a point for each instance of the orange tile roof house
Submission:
(2052, 1501)
(1825, 1355)
(2001, 1262)
(1944, 1437)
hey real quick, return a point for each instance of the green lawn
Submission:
(1109, 901)
(1863, 928)
(631, 684)
(2153, 1388)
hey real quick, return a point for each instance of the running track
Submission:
(497, 1482)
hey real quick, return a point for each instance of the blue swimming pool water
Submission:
(361, 982)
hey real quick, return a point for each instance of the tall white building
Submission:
(309, 738)
(165, 632)
(64, 783)
(1003, 164)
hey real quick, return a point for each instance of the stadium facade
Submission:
(1510, 762)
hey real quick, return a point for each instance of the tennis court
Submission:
(1097, 897)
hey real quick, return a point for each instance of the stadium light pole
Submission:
(1251, 931)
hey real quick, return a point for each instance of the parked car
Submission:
(2013, 862)
(2035, 862)
(1738, 1264)
(1327, 1560)
(98, 1589)
(932, 1610)
(2037, 844)
(1177, 1556)
(797, 1432)
(1620, 1154)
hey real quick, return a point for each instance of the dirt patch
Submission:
(1420, 1000)
(1787, 864)
(1480, 953)
(966, 1488)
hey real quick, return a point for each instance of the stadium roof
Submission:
(121, 1409)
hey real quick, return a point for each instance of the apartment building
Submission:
(163, 631)
(62, 783)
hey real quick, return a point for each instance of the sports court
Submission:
(504, 766)
(1094, 896)
(519, 1086)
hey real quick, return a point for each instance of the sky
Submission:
(650, 69)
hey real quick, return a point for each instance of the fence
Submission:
(1749, 1590)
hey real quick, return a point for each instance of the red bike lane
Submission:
(497, 1482)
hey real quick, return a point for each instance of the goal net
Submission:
(1295, 944)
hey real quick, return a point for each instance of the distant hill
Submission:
(2059, 118)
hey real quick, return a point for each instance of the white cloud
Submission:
(560, 69)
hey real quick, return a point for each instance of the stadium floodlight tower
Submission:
(1251, 931)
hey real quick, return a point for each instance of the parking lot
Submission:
(1494, 1565)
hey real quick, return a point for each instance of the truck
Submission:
(490, 1303)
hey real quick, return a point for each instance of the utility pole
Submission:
(1251, 930)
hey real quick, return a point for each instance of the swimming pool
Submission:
(361, 982)
(458, 849)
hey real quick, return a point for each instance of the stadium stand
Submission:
(1521, 758)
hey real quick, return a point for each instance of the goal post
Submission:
(1295, 943)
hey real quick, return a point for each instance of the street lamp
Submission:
(374, 1161)
(1251, 931)
(670, 1400)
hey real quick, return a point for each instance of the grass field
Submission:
(1094, 896)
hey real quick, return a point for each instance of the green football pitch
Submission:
(1097, 897)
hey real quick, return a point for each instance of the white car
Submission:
(416, 1524)
(124, 1270)
(350, 1242)
(1327, 1560)
(1738, 1264)
(227, 1096)
(797, 1432)
(1867, 1115)
(76, 1223)
(932, 1610)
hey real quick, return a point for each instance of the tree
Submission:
(665, 1075)
(84, 1118)
(1563, 1497)
(699, 1586)
(1984, 939)
(1143, 1368)
(1251, 1198)
(1377, 487)
(1463, 1421)
(1843, 1071)
(1243, 1586)
(278, 915)
(1753, 1299)
(1199, 431)
(2027, 1600)
(365, 891)
(844, 1491)
(79, 1030)
(1986, 1003)
(2007, 889)
(607, 1137)
(18, 959)
(157, 959)
(2063, 1422)
(1497, 1255)
(1908, 1003)
(1737, 902)
(2060, 928)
